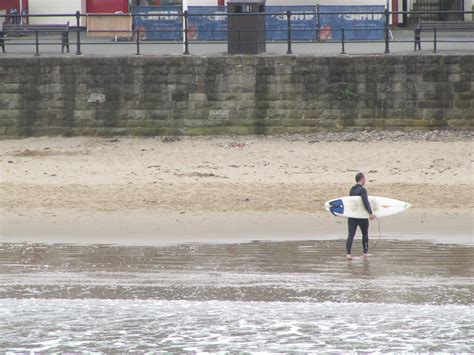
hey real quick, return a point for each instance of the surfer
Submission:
(363, 223)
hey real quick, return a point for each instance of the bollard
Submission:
(435, 39)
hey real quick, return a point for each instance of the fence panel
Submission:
(303, 23)
(159, 23)
(210, 25)
(361, 26)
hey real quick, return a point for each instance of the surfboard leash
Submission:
(380, 233)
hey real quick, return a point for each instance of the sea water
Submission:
(258, 297)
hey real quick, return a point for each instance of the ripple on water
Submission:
(65, 325)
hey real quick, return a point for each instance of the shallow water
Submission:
(261, 296)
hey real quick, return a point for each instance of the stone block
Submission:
(218, 114)
(462, 86)
(462, 104)
(8, 122)
(424, 104)
(438, 96)
(198, 97)
(460, 124)
(430, 114)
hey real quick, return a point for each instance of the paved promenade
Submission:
(402, 43)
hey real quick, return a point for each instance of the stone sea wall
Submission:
(195, 95)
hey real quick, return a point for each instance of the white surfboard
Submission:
(353, 207)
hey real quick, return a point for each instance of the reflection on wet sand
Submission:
(309, 271)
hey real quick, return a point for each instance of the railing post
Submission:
(78, 31)
(343, 37)
(288, 15)
(138, 41)
(417, 39)
(186, 38)
(2, 41)
(435, 39)
(387, 31)
(37, 43)
(238, 38)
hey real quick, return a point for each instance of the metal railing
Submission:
(136, 35)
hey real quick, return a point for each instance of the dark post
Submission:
(435, 39)
(138, 42)
(288, 15)
(186, 39)
(238, 39)
(2, 41)
(37, 43)
(319, 21)
(78, 22)
(343, 36)
(416, 40)
(387, 31)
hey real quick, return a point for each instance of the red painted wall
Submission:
(14, 4)
(10, 4)
(395, 9)
(106, 6)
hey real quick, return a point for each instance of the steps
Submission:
(437, 5)
(426, 5)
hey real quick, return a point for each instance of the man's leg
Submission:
(352, 227)
(364, 228)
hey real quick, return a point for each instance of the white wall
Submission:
(468, 7)
(55, 7)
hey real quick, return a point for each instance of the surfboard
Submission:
(353, 207)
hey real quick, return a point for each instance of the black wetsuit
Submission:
(362, 223)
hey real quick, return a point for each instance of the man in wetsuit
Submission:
(363, 223)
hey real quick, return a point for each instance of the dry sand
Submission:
(150, 190)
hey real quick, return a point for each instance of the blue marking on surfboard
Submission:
(336, 206)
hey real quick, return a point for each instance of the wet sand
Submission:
(413, 272)
(232, 227)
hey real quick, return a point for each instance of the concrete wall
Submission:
(238, 94)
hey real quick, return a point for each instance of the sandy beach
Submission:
(212, 244)
(228, 189)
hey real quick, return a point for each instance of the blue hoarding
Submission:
(159, 23)
(303, 23)
(367, 23)
(163, 23)
(210, 26)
